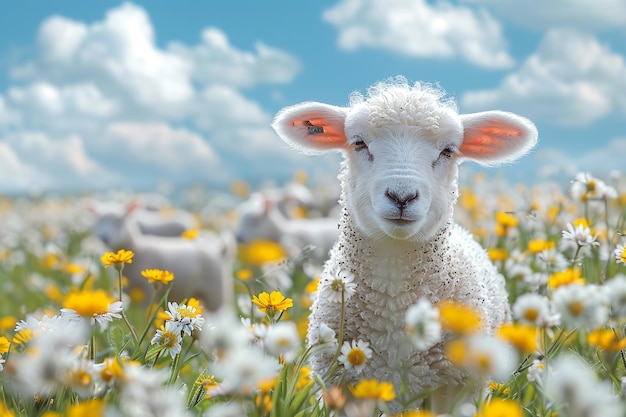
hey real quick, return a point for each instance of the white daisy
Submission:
(580, 235)
(355, 354)
(170, 337)
(620, 254)
(535, 309)
(283, 339)
(338, 282)
(186, 315)
(573, 386)
(581, 306)
(422, 324)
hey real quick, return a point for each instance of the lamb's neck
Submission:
(386, 259)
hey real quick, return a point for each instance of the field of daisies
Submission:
(76, 341)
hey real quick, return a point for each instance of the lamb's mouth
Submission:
(401, 221)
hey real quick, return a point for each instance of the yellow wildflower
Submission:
(7, 322)
(522, 336)
(244, 274)
(498, 388)
(272, 303)
(89, 408)
(607, 339)
(22, 337)
(459, 318)
(539, 245)
(373, 389)
(112, 370)
(566, 277)
(498, 254)
(158, 276)
(312, 285)
(260, 252)
(89, 303)
(208, 383)
(498, 407)
(117, 259)
(4, 345)
(190, 234)
(504, 222)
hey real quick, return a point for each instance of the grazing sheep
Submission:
(260, 218)
(402, 145)
(159, 222)
(202, 267)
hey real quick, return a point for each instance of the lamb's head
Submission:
(402, 145)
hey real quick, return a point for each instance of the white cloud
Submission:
(572, 79)
(102, 104)
(216, 61)
(541, 14)
(421, 29)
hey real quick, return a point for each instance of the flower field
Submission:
(76, 340)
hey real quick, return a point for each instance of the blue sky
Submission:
(105, 94)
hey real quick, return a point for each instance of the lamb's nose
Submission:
(401, 201)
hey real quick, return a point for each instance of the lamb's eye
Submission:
(447, 153)
(359, 145)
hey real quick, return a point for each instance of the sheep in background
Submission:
(202, 267)
(260, 218)
(165, 221)
(402, 145)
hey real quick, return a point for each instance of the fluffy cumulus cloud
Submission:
(541, 14)
(419, 28)
(572, 79)
(102, 104)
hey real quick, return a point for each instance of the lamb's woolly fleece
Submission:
(396, 102)
(452, 265)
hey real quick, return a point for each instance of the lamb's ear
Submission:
(496, 137)
(312, 127)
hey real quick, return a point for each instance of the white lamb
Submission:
(261, 218)
(402, 145)
(202, 267)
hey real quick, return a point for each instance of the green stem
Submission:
(130, 327)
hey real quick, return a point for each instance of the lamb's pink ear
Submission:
(312, 127)
(496, 137)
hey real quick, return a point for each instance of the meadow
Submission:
(75, 341)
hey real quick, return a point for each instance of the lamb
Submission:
(202, 267)
(161, 222)
(401, 147)
(261, 218)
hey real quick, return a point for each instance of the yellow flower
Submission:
(416, 413)
(373, 389)
(311, 287)
(523, 337)
(112, 370)
(7, 322)
(566, 277)
(539, 245)
(190, 234)
(244, 274)
(5, 412)
(88, 303)
(505, 221)
(272, 303)
(207, 383)
(195, 303)
(607, 339)
(498, 254)
(498, 387)
(304, 378)
(117, 259)
(158, 275)
(260, 252)
(581, 221)
(459, 318)
(4, 345)
(498, 407)
(89, 408)
(22, 337)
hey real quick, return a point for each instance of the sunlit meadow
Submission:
(76, 341)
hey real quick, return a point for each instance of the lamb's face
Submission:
(402, 177)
